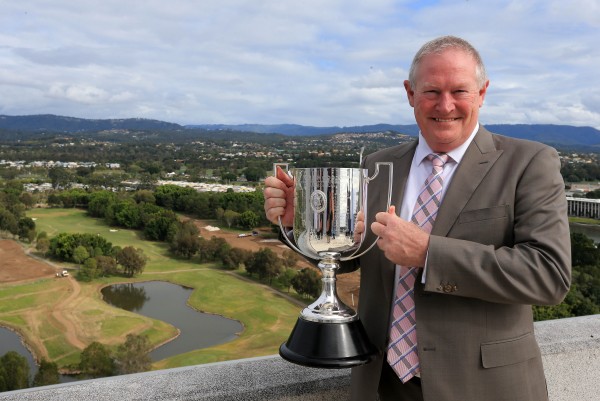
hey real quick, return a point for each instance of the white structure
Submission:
(583, 207)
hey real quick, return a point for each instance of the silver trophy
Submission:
(328, 333)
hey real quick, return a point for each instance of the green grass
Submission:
(266, 316)
(584, 220)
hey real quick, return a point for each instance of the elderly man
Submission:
(481, 235)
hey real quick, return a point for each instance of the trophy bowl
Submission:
(328, 333)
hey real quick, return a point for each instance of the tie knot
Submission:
(438, 159)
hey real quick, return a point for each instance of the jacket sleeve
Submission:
(532, 262)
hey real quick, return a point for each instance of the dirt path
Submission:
(20, 265)
(63, 313)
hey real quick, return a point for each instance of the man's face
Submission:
(446, 98)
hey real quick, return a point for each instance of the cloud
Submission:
(319, 62)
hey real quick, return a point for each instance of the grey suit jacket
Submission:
(500, 243)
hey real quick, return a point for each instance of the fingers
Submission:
(284, 177)
(278, 196)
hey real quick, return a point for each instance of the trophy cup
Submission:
(328, 333)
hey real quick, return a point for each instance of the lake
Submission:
(10, 341)
(591, 230)
(168, 302)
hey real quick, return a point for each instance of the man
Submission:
(481, 235)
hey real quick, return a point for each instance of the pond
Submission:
(591, 230)
(10, 341)
(168, 302)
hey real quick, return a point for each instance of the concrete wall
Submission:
(570, 347)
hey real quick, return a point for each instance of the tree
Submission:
(290, 258)
(265, 263)
(60, 177)
(230, 217)
(160, 225)
(26, 229)
(8, 221)
(47, 374)
(144, 196)
(254, 173)
(80, 254)
(133, 260)
(15, 372)
(42, 245)
(133, 356)
(307, 283)
(106, 265)
(235, 257)
(248, 219)
(583, 250)
(285, 279)
(99, 202)
(185, 242)
(89, 271)
(96, 361)
(126, 214)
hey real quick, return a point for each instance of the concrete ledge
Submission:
(570, 348)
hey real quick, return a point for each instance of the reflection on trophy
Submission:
(328, 333)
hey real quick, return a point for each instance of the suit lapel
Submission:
(475, 164)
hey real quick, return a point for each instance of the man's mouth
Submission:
(445, 120)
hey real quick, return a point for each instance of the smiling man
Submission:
(481, 235)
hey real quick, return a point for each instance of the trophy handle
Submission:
(389, 203)
(281, 228)
(285, 165)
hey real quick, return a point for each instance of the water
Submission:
(591, 230)
(168, 302)
(10, 341)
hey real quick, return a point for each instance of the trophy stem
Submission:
(328, 308)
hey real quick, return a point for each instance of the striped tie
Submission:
(402, 350)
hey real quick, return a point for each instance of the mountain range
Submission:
(557, 135)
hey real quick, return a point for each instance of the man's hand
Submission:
(402, 242)
(279, 198)
(359, 227)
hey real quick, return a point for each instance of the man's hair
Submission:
(441, 44)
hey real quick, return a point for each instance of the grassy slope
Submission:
(267, 318)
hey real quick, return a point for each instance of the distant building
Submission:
(583, 207)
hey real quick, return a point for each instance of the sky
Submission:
(310, 62)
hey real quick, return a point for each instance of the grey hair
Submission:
(441, 44)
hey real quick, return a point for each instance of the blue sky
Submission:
(315, 62)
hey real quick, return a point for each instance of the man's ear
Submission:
(410, 93)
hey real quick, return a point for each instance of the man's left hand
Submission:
(402, 242)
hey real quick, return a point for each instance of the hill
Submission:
(563, 135)
(20, 127)
(52, 123)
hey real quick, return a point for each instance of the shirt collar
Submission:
(456, 155)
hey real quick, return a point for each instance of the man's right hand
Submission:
(279, 198)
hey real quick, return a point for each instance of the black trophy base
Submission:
(328, 345)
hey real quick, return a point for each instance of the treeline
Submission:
(96, 256)
(14, 373)
(584, 296)
(157, 208)
(97, 360)
(13, 203)
(154, 213)
(578, 172)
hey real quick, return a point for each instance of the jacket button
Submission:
(447, 287)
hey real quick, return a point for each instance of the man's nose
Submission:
(445, 102)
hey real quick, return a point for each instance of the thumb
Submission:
(283, 176)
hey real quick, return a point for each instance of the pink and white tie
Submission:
(402, 352)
